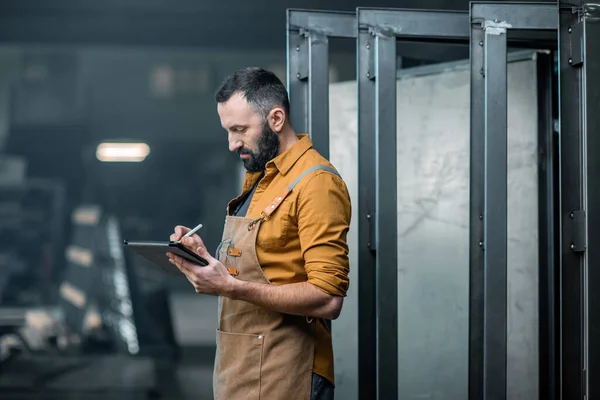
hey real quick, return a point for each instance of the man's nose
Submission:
(235, 145)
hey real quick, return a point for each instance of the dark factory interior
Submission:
(379, 90)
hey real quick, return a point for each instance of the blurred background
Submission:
(78, 316)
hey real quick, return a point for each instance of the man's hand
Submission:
(192, 242)
(212, 279)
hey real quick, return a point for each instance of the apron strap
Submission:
(308, 171)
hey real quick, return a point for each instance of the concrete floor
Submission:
(121, 377)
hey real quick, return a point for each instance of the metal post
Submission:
(386, 225)
(572, 201)
(476, 202)
(549, 232)
(367, 353)
(495, 211)
(318, 91)
(590, 103)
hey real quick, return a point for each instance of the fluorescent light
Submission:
(79, 256)
(86, 215)
(122, 152)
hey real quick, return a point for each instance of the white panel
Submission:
(523, 234)
(433, 271)
(433, 234)
(344, 156)
(433, 212)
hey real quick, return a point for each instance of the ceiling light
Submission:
(122, 152)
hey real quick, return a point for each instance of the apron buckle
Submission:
(264, 216)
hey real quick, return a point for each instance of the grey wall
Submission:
(433, 214)
(344, 156)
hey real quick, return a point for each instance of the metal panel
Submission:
(433, 229)
(523, 266)
(308, 35)
(344, 155)
(433, 233)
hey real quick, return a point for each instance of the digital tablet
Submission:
(156, 253)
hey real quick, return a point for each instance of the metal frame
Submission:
(579, 70)
(488, 29)
(490, 23)
(308, 34)
(379, 30)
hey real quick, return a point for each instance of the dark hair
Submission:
(261, 88)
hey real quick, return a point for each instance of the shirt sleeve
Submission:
(324, 212)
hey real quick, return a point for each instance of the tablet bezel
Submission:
(173, 247)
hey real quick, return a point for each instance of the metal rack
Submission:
(567, 228)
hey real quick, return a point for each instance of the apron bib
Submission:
(261, 354)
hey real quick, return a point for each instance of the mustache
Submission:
(243, 151)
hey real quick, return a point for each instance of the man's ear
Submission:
(276, 119)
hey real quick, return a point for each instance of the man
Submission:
(281, 270)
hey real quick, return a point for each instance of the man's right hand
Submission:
(192, 242)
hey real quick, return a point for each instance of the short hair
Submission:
(261, 89)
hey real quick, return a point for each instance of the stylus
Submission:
(190, 233)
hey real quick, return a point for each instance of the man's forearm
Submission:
(296, 298)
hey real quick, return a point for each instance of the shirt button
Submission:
(259, 337)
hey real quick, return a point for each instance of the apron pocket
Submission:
(238, 365)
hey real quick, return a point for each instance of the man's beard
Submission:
(267, 149)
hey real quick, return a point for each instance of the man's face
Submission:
(249, 134)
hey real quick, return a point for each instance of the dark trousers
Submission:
(321, 388)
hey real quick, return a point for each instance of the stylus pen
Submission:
(190, 233)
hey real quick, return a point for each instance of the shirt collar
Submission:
(286, 160)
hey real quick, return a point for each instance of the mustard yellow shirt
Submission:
(305, 238)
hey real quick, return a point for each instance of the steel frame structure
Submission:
(490, 23)
(379, 30)
(568, 191)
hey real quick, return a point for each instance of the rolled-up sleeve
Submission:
(324, 212)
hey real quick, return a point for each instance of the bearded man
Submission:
(281, 269)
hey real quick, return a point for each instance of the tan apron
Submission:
(261, 354)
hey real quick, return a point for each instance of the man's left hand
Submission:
(212, 279)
